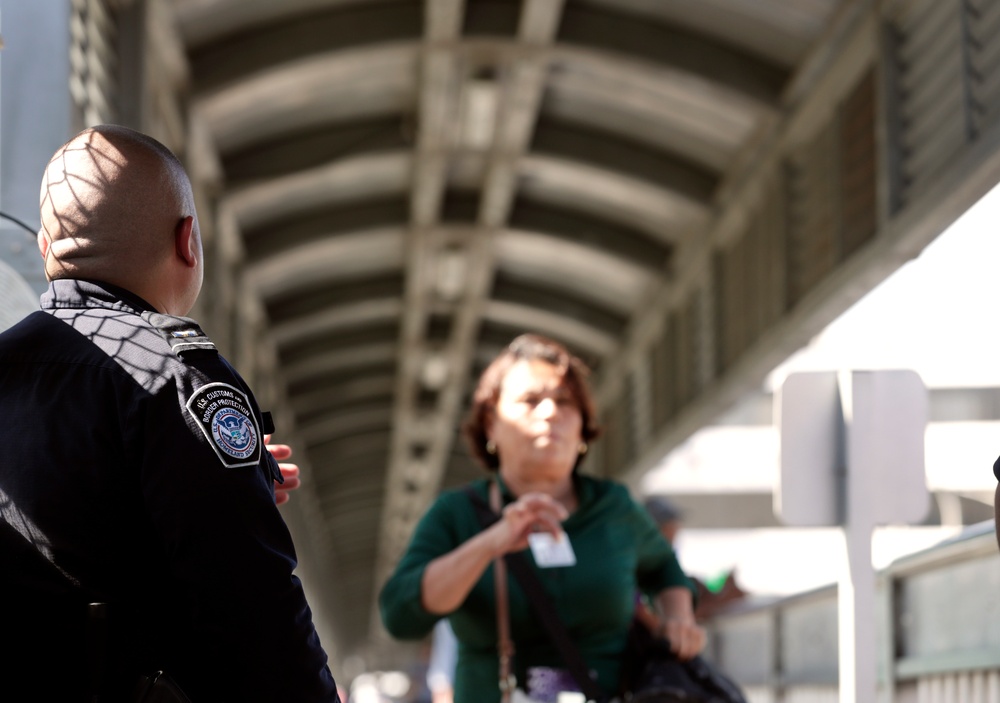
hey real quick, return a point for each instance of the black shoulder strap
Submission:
(543, 607)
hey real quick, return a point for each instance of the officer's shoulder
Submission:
(184, 336)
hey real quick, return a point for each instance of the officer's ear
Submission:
(185, 242)
(43, 244)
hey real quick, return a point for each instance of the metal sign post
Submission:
(852, 454)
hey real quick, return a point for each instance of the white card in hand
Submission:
(551, 551)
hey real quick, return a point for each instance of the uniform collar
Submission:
(77, 293)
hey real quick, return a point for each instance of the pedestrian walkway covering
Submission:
(683, 191)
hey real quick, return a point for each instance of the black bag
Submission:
(652, 674)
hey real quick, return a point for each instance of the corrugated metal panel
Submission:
(813, 219)
(831, 186)
(774, 235)
(749, 278)
(627, 448)
(983, 30)
(664, 384)
(809, 637)
(705, 337)
(726, 272)
(756, 279)
(858, 166)
(969, 687)
(94, 61)
(617, 439)
(929, 92)
(744, 647)
(673, 364)
(941, 611)
(811, 694)
(685, 341)
(759, 694)
(641, 381)
(630, 408)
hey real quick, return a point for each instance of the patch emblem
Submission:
(225, 416)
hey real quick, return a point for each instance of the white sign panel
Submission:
(810, 422)
(852, 448)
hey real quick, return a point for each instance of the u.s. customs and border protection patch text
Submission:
(226, 418)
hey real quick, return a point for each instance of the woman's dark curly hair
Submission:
(527, 347)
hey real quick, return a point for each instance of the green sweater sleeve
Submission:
(399, 602)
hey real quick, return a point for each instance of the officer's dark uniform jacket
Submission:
(133, 473)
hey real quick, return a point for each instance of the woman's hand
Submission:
(532, 512)
(448, 579)
(686, 636)
(289, 471)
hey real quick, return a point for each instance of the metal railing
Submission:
(938, 632)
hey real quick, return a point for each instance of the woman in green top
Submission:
(531, 419)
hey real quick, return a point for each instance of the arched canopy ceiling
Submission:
(408, 185)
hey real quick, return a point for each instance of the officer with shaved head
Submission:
(138, 527)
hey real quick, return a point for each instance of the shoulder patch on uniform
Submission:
(225, 416)
(182, 333)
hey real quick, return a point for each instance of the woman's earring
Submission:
(582, 448)
(491, 447)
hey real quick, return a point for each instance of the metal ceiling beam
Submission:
(202, 21)
(563, 264)
(344, 256)
(663, 213)
(439, 88)
(769, 28)
(573, 267)
(516, 106)
(521, 82)
(345, 423)
(337, 86)
(575, 333)
(338, 361)
(356, 83)
(342, 180)
(331, 319)
(659, 212)
(358, 389)
(773, 29)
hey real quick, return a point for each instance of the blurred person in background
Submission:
(712, 594)
(531, 420)
(667, 517)
(441, 669)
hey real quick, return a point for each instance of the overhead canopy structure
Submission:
(682, 191)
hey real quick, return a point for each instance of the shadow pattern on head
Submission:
(527, 347)
(110, 200)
